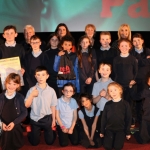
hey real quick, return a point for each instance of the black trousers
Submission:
(143, 135)
(114, 140)
(64, 137)
(45, 124)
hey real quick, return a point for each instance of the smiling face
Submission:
(35, 44)
(68, 91)
(85, 102)
(105, 70)
(67, 45)
(105, 40)
(11, 86)
(62, 31)
(10, 35)
(54, 42)
(28, 33)
(89, 32)
(124, 47)
(138, 43)
(124, 32)
(85, 43)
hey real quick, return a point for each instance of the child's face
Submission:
(124, 32)
(124, 47)
(114, 92)
(105, 40)
(54, 42)
(68, 91)
(41, 77)
(85, 43)
(62, 31)
(105, 71)
(35, 44)
(28, 33)
(138, 42)
(89, 32)
(85, 102)
(10, 35)
(11, 86)
(67, 45)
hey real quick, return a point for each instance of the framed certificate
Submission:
(10, 65)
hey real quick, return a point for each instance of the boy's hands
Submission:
(103, 93)
(132, 82)
(70, 131)
(8, 127)
(65, 130)
(22, 71)
(128, 137)
(101, 135)
(61, 53)
(4, 127)
(92, 142)
(34, 92)
(88, 80)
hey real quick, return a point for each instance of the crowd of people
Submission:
(91, 93)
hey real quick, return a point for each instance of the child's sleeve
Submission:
(56, 63)
(53, 98)
(98, 112)
(77, 75)
(94, 91)
(28, 93)
(80, 114)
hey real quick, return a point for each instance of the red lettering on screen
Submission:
(139, 9)
(106, 7)
(65, 70)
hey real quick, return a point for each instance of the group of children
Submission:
(105, 114)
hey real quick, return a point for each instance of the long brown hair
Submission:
(79, 51)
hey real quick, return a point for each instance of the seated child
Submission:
(12, 136)
(42, 100)
(66, 116)
(116, 119)
(88, 114)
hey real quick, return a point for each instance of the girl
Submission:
(66, 44)
(116, 119)
(124, 32)
(66, 115)
(51, 52)
(87, 64)
(143, 136)
(125, 70)
(89, 114)
(62, 30)
(141, 53)
(90, 31)
(12, 136)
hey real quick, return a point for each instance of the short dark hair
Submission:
(41, 68)
(86, 95)
(105, 63)
(69, 84)
(35, 37)
(10, 27)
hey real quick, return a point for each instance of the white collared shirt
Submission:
(12, 45)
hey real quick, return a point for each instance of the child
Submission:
(141, 53)
(12, 136)
(87, 64)
(51, 52)
(89, 114)
(105, 53)
(42, 100)
(143, 136)
(100, 96)
(66, 116)
(10, 48)
(116, 119)
(124, 32)
(66, 46)
(125, 69)
(33, 59)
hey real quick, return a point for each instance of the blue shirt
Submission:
(66, 111)
(41, 104)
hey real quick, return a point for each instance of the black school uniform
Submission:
(115, 124)
(84, 141)
(12, 140)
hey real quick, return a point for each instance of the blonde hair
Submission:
(29, 27)
(129, 30)
(15, 78)
(117, 85)
(90, 25)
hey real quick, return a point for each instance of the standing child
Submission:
(42, 100)
(12, 136)
(116, 119)
(66, 116)
(89, 114)
(65, 47)
(51, 53)
(125, 68)
(87, 64)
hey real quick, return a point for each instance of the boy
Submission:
(33, 59)
(105, 53)
(100, 96)
(10, 48)
(42, 100)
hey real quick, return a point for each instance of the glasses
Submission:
(66, 91)
(34, 43)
